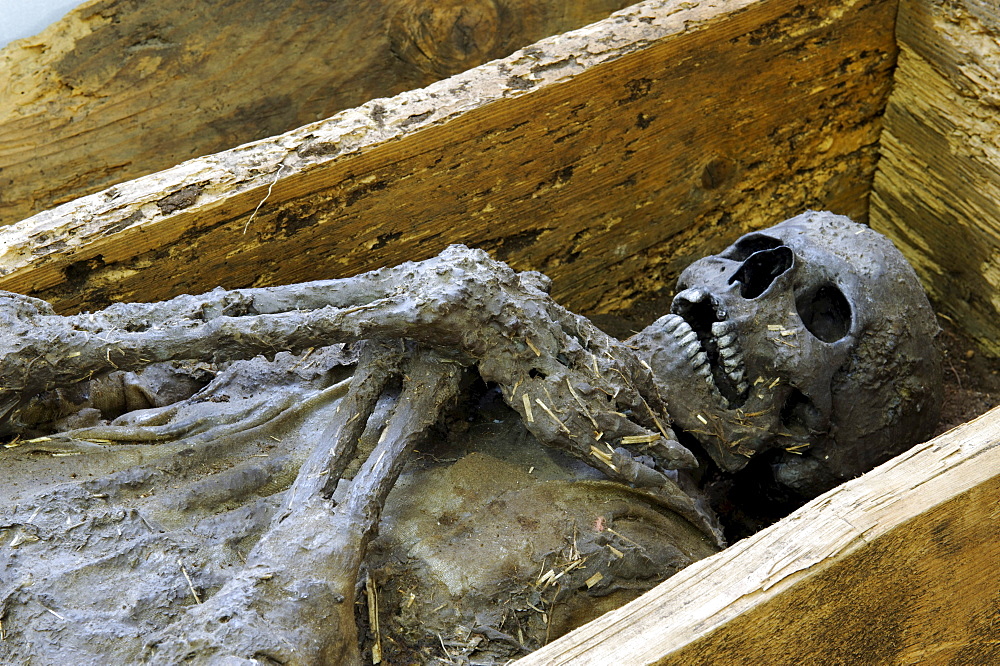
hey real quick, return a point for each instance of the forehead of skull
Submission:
(812, 254)
(833, 241)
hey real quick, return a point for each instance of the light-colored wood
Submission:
(899, 566)
(608, 157)
(937, 191)
(119, 89)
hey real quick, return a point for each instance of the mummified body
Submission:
(209, 520)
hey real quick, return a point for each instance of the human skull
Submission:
(813, 336)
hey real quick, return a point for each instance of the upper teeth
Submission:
(726, 343)
(672, 322)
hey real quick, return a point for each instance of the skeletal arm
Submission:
(575, 387)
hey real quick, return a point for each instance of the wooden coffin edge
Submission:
(596, 156)
(897, 566)
(118, 89)
(165, 203)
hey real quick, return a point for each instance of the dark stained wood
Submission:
(120, 88)
(937, 193)
(607, 157)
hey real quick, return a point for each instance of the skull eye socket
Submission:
(761, 269)
(825, 312)
(750, 244)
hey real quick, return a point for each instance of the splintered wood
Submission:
(607, 157)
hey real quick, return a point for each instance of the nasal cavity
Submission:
(698, 308)
(761, 269)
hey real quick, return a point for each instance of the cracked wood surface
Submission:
(896, 567)
(937, 191)
(607, 157)
(119, 89)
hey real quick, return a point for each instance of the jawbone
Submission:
(733, 422)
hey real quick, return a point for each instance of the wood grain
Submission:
(896, 567)
(608, 157)
(121, 88)
(937, 190)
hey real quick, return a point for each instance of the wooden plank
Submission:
(899, 566)
(608, 157)
(937, 191)
(119, 89)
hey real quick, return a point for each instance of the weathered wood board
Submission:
(119, 89)
(899, 566)
(937, 190)
(607, 157)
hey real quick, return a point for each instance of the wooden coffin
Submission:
(608, 157)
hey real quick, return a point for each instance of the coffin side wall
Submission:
(937, 189)
(607, 157)
(119, 88)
